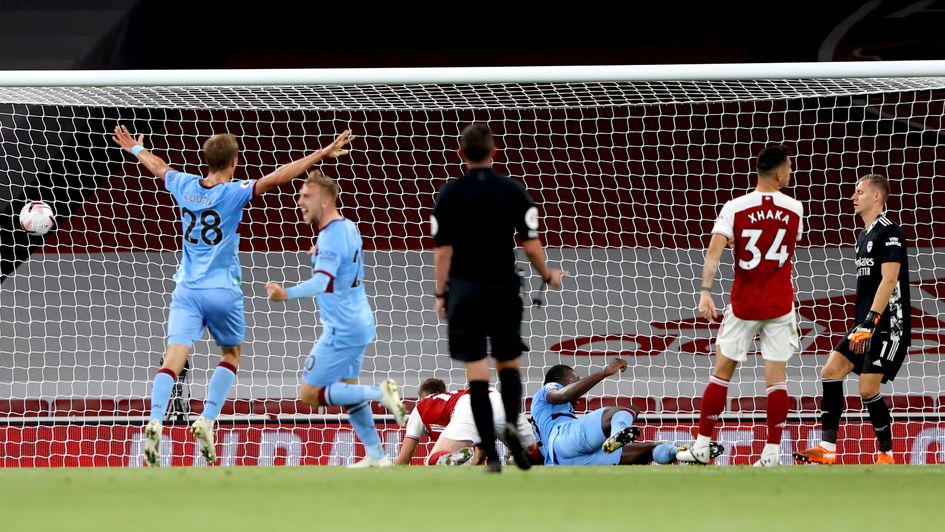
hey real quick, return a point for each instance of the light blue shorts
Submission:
(329, 362)
(578, 442)
(218, 309)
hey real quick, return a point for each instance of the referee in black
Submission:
(474, 224)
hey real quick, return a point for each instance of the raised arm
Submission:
(152, 162)
(573, 392)
(288, 172)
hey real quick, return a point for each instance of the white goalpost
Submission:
(629, 165)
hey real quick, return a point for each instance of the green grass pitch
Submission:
(691, 499)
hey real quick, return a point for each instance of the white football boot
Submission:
(152, 443)
(770, 457)
(391, 400)
(367, 462)
(202, 428)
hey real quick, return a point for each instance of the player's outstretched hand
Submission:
(337, 148)
(616, 365)
(707, 307)
(124, 139)
(554, 278)
(276, 292)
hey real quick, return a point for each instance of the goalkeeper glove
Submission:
(861, 335)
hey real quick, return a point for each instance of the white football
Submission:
(36, 218)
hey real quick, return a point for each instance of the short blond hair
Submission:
(316, 177)
(879, 182)
(220, 150)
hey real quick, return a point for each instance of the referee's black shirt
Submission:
(479, 214)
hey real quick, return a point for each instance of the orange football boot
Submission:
(816, 455)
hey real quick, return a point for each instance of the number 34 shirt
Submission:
(763, 227)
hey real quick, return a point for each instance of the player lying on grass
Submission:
(601, 437)
(448, 419)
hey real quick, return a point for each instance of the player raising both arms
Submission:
(208, 294)
(763, 228)
(331, 370)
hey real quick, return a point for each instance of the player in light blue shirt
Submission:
(330, 374)
(594, 438)
(208, 294)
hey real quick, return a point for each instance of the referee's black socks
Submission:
(482, 414)
(511, 381)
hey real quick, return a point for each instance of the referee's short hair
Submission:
(476, 142)
(316, 177)
(879, 182)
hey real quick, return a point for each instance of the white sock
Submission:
(832, 447)
(771, 448)
(702, 441)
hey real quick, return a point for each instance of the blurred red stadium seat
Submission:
(23, 407)
(83, 406)
(681, 404)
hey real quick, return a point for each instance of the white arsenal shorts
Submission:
(779, 337)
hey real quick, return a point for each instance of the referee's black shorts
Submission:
(477, 311)
(885, 355)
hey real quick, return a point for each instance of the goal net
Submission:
(629, 177)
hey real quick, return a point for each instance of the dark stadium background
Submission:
(111, 34)
(116, 34)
